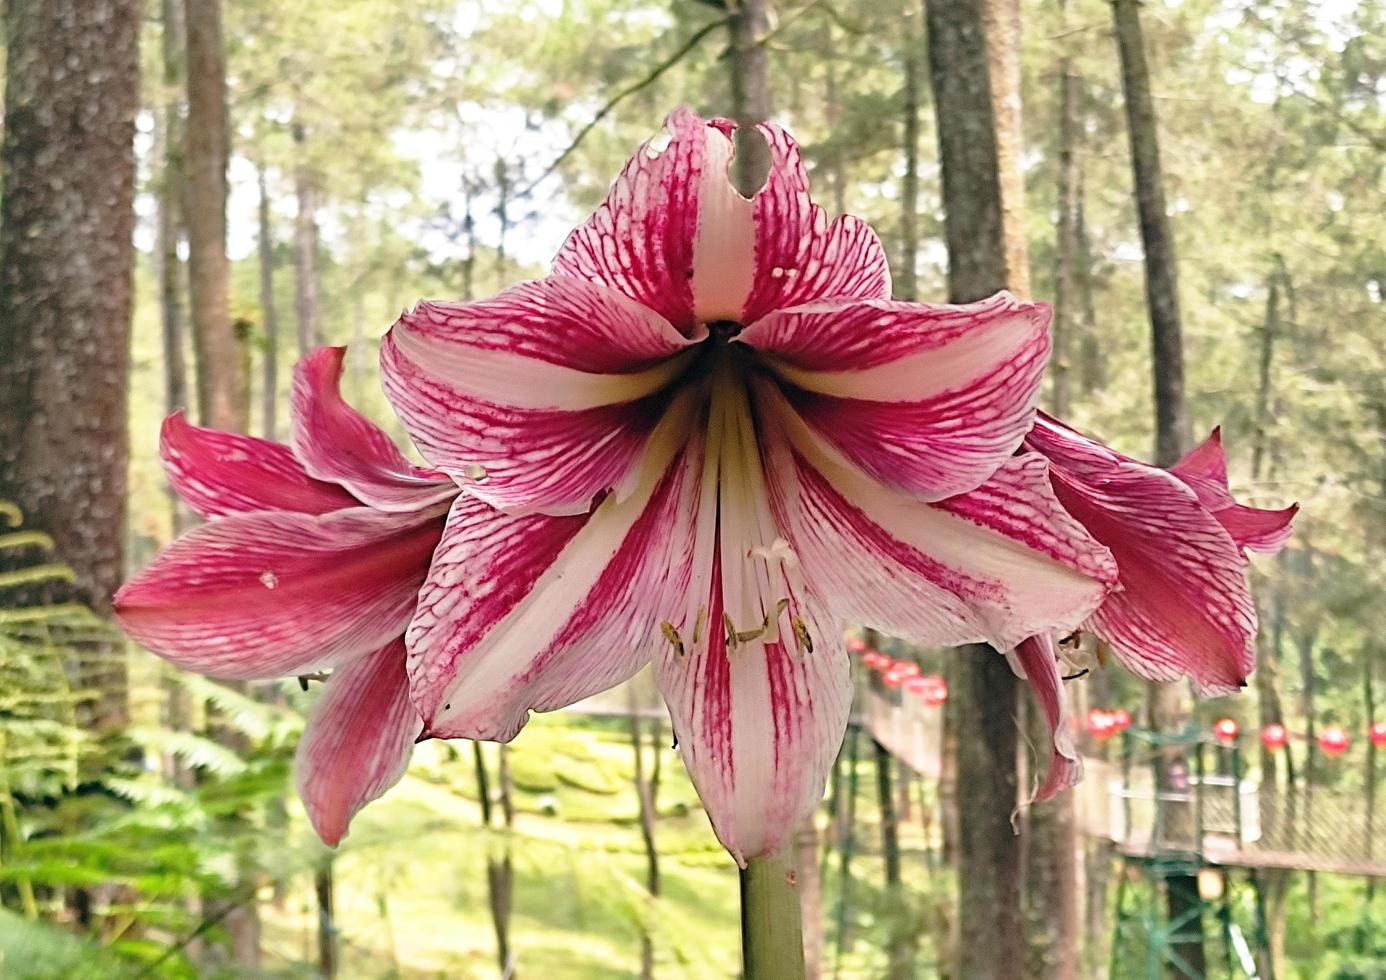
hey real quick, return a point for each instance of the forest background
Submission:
(356, 156)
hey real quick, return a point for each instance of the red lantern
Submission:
(1334, 741)
(892, 675)
(1121, 719)
(1273, 737)
(1101, 724)
(1378, 734)
(917, 685)
(905, 669)
(1226, 731)
(857, 645)
(933, 690)
(872, 659)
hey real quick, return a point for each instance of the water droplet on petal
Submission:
(475, 472)
(269, 580)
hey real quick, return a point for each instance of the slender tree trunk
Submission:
(1308, 685)
(270, 319)
(306, 275)
(1173, 436)
(810, 897)
(1001, 28)
(222, 383)
(832, 114)
(899, 946)
(906, 282)
(1061, 361)
(1172, 429)
(750, 91)
(1052, 892)
(991, 937)
(644, 792)
(1093, 373)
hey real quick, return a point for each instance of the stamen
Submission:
(672, 635)
(699, 624)
(778, 550)
(802, 640)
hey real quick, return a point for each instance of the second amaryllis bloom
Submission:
(1179, 539)
(311, 558)
(714, 440)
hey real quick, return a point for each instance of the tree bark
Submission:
(72, 88)
(1173, 437)
(1172, 429)
(222, 378)
(306, 274)
(323, 890)
(900, 919)
(810, 897)
(269, 394)
(991, 937)
(1061, 361)
(750, 92)
(644, 792)
(906, 282)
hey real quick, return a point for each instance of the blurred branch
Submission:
(621, 96)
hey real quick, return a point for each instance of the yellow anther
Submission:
(672, 635)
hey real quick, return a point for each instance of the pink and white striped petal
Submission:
(272, 593)
(641, 240)
(220, 473)
(337, 443)
(1036, 661)
(800, 257)
(358, 740)
(996, 565)
(929, 399)
(1205, 472)
(536, 400)
(1183, 607)
(531, 612)
(758, 726)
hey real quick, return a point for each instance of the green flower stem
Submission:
(772, 942)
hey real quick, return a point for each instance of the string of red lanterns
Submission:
(931, 689)
(1333, 740)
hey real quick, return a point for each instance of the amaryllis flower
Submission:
(311, 558)
(1178, 537)
(715, 439)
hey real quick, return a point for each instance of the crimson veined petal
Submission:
(536, 400)
(1205, 472)
(337, 443)
(1183, 607)
(998, 564)
(272, 593)
(358, 740)
(800, 257)
(930, 399)
(532, 612)
(220, 473)
(758, 726)
(1036, 661)
(640, 241)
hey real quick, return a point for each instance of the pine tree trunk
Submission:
(1062, 330)
(810, 883)
(644, 792)
(990, 937)
(750, 92)
(900, 918)
(72, 88)
(1173, 436)
(306, 273)
(906, 282)
(222, 381)
(269, 384)
(324, 888)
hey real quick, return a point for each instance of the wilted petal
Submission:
(996, 565)
(930, 399)
(337, 443)
(532, 612)
(1184, 606)
(358, 740)
(226, 473)
(800, 257)
(1036, 661)
(1205, 472)
(537, 399)
(272, 593)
